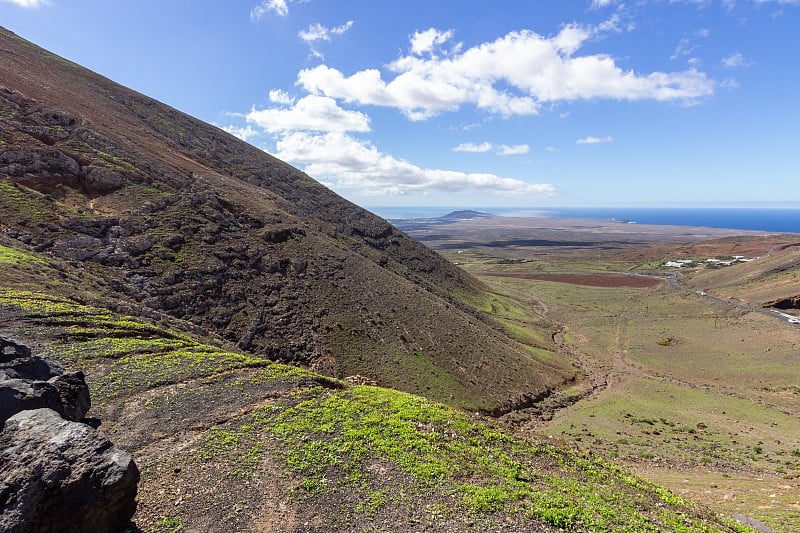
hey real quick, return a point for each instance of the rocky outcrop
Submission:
(57, 475)
(33, 382)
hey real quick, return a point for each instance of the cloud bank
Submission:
(513, 75)
(347, 164)
(516, 74)
(315, 113)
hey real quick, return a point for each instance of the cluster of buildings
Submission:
(680, 263)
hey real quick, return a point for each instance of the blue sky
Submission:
(467, 103)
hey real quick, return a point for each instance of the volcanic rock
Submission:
(11, 350)
(62, 476)
(35, 382)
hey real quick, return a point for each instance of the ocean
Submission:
(775, 220)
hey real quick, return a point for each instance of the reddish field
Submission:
(595, 280)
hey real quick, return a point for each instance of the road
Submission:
(672, 279)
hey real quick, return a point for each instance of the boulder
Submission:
(73, 395)
(11, 350)
(32, 368)
(62, 476)
(35, 382)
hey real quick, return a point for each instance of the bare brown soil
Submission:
(593, 280)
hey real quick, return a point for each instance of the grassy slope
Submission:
(230, 441)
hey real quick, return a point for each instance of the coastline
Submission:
(768, 220)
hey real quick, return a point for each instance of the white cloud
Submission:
(594, 140)
(602, 3)
(518, 149)
(316, 54)
(425, 41)
(315, 32)
(471, 147)
(345, 163)
(318, 32)
(279, 7)
(551, 149)
(735, 60)
(29, 3)
(280, 97)
(611, 24)
(502, 149)
(243, 133)
(513, 75)
(314, 113)
(683, 48)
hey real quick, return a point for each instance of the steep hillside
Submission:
(232, 442)
(151, 212)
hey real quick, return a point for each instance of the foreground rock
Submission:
(57, 475)
(33, 382)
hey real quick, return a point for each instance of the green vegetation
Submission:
(140, 372)
(169, 525)
(12, 256)
(24, 206)
(338, 440)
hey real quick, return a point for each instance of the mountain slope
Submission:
(177, 220)
(231, 442)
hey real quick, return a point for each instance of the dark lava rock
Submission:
(11, 350)
(73, 395)
(35, 382)
(61, 476)
(32, 368)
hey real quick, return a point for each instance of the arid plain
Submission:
(693, 393)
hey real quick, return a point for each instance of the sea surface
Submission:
(777, 220)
